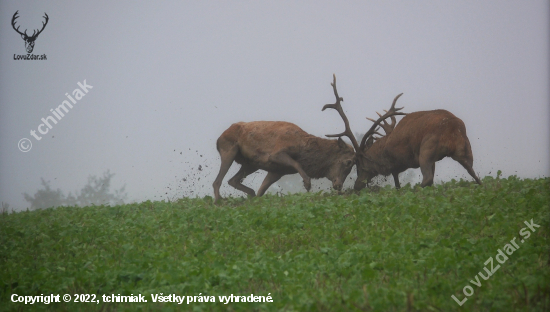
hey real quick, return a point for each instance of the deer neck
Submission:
(316, 156)
(377, 158)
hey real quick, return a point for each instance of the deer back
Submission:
(400, 149)
(258, 140)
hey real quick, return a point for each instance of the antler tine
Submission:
(391, 112)
(393, 120)
(338, 106)
(388, 127)
(45, 23)
(384, 121)
(392, 108)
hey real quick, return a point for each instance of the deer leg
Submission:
(466, 159)
(284, 159)
(427, 175)
(433, 170)
(467, 165)
(271, 178)
(427, 167)
(396, 180)
(236, 180)
(426, 160)
(227, 156)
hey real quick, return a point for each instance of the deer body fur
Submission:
(280, 148)
(420, 139)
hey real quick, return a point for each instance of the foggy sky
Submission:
(169, 78)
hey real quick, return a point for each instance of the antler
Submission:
(34, 34)
(392, 112)
(388, 127)
(377, 133)
(337, 106)
(13, 24)
(43, 25)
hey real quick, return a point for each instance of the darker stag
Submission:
(29, 40)
(420, 139)
(280, 148)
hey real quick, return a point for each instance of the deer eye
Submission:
(348, 163)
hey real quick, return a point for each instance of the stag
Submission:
(420, 139)
(280, 148)
(29, 40)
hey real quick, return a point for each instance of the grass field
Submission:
(379, 250)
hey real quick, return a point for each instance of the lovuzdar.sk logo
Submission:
(29, 40)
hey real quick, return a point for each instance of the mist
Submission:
(159, 83)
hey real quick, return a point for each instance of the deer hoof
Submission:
(307, 184)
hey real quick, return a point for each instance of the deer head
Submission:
(29, 40)
(364, 171)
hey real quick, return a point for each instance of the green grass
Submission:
(383, 250)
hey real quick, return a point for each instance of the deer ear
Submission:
(341, 143)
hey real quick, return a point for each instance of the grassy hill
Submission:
(383, 250)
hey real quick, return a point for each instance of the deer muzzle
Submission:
(337, 185)
(359, 185)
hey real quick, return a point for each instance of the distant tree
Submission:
(45, 197)
(96, 191)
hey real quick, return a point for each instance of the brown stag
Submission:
(280, 148)
(420, 139)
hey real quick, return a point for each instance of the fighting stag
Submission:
(29, 40)
(280, 148)
(420, 139)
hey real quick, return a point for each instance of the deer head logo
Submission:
(29, 40)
